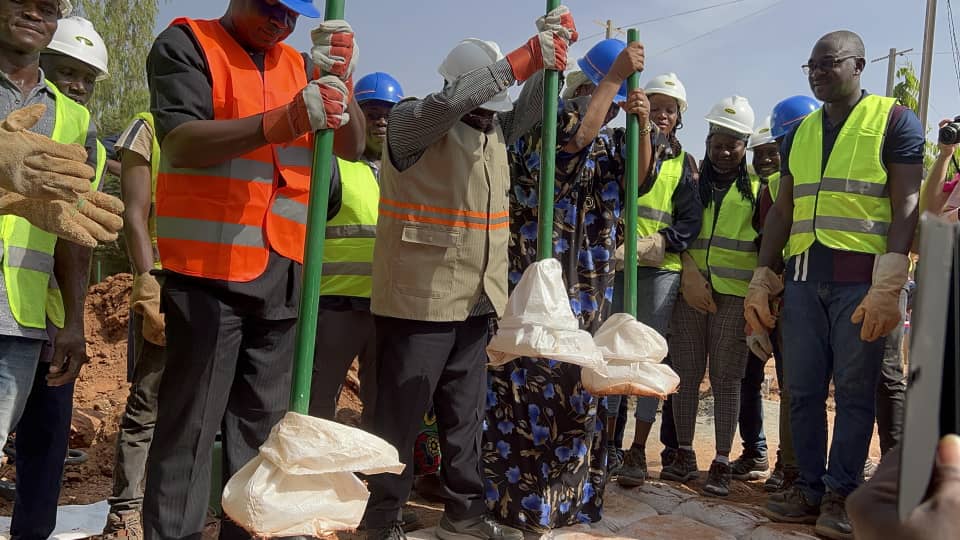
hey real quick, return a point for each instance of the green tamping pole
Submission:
(630, 201)
(313, 256)
(548, 157)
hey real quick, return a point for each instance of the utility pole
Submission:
(927, 64)
(610, 29)
(891, 67)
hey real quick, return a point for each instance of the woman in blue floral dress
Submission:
(544, 443)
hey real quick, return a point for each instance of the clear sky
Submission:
(754, 47)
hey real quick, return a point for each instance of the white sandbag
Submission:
(539, 323)
(302, 482)
(633, 379)
(624, 339)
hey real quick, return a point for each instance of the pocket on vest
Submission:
(427, 261)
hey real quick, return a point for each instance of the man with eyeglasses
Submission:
(846, 214)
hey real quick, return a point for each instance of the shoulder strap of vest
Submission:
(71, 120)
(101, 166)
(155, 146)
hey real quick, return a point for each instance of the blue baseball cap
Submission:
(303, 7)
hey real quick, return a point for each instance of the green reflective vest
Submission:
(154, 170)
(726, 249)
(655, 207)
(32, 292)
(773, 183)
(844, 206)
(348, 248)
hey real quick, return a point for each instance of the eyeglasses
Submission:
(824, 64)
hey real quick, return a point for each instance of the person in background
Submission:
(440, 267)
(669, 217)
(542, 425)
(74, 61)
(709, 323)
(844, 221)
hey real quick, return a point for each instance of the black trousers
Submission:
(892, 390)
(227, 370)
(341, 337)
(416, 361)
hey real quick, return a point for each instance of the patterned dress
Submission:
(544, 444)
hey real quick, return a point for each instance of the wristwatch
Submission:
(645, 130)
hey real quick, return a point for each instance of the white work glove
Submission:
(334, 49)
(559, 21)
(326, 101)
(760, 344)
(650, 251)
(548, 49)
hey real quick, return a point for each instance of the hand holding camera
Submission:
(949, 137)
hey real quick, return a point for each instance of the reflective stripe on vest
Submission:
(28, 251)
(444, 216)
(655, 207)
(726, 248)
(847, 206)
(348, 248)
(220, 222)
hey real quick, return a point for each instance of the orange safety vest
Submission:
(220, 222)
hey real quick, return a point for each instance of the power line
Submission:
(954, 48)
(663, 18)
(721, 27)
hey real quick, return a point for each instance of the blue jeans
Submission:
(657, 292)
(821, 343)
(18, 364)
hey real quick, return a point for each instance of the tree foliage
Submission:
(907, 92)
(127, 28)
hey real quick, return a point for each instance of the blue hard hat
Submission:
(379, 86)
(788, 114)
(303, 7)
(599, 59)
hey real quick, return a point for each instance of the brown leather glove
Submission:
(39, 167)
(95, 217)
(879, 311)
(695, 288)
(764, 288)
(145, 300)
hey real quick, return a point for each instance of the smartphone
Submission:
(931, 408)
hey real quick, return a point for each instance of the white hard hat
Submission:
(762, 135)
(733, 113)
(76, 38)
(471, 54)
(669, 85)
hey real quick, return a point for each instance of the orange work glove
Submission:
(547, 49)
(879, 311)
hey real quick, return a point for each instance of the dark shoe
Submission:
(667, 457)
(748, 467)
(391, 532)
(123, 525)
(683, 469)
(634, 471)
(718, 480)
(791, 506)
(614, 461)
(430, 487)
(833, 522)
(483, 527)
(781, 479)
(409, 520)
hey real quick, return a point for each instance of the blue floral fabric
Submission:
(544, 438)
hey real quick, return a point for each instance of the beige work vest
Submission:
(443, 229)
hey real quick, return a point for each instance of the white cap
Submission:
(76, 38)
(762, 135)
(469, 55)
(668, 84)
(733, 113)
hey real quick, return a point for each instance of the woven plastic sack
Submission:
(632, 352)
(539, 323)
(623, 339)
(302, 482)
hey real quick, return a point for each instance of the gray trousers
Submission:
(138, 421)
(341, 337)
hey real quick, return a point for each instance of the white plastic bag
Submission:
(622, 338)
(302, 482)
(539, 323)
(633, 379)
(632, 352)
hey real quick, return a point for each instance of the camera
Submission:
(950, 133)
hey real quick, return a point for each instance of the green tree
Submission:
(907, 92)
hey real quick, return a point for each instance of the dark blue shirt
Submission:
(903, 143)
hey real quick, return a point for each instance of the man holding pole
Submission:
(440, 266)
(231, 209)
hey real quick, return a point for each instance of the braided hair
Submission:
(708, 179)
(675, 145)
